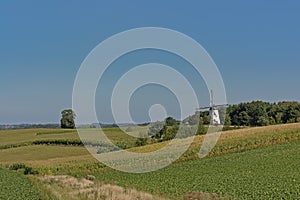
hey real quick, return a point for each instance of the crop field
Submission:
(25, 137)
(16, 186)
(248, 163)
(265, 173)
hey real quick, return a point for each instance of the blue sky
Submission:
(255, 44)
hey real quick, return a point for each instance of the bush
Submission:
(29, 170)
(22, 166)
(170, 133)
(122, 145)
(17, 166)
(201, 128)
(142, 140)
(58, 142)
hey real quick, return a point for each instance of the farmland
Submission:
(16, 186)
(260, 162)
(264, 173)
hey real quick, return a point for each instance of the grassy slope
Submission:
(26, 136)
(23, 137)
(236, 140)
(40, 152)
(265, 173)
(16, 147)
(241, 174)
(68, 159)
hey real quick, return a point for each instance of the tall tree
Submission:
(170, 121)
(67, 119)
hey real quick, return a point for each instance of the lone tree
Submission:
(67, 119)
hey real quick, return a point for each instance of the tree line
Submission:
(255, 113)
(260, 113)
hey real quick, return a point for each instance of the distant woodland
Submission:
(256, 113)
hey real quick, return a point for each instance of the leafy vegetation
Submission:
(167, 130)
(256, 113)
(17, 166)
(60, 159)
(264, 173)
(14, 185)
(58, 142)
(21, 166)
(67, 119)
(141, 140)
(62, 153)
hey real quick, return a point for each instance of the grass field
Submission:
(248, 163)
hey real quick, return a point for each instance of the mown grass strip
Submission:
(53, 132)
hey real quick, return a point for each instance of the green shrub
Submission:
(122, 145)
(17, 166)
(58, 142)
(29, 170)
(141, 140)
(22, 166)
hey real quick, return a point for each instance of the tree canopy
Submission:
(67, 119)
(256, 113)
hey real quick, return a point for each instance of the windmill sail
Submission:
(213, 110)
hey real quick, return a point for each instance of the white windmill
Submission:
(213, 110)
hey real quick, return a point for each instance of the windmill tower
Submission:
(213, 110)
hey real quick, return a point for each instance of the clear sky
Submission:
(255, 44)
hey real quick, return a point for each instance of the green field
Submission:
(249, 163)
(16, 186)
(265, 173)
